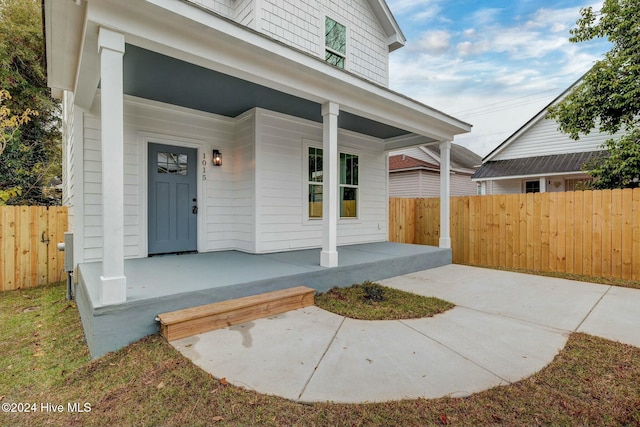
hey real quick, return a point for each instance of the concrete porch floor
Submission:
(166, 283)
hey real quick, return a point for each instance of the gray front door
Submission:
(173, 206)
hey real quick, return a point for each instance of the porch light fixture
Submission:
(217, 158)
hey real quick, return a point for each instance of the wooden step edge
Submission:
(210, 319)
(177, 316)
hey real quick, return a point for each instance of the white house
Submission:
(539, 158)
(415, 172)
(291, 98)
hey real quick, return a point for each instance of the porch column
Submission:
(113, 283)
(329, 254)
(543, 184)
(445, 193)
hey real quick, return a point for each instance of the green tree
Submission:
(33, 155)
(608, 97)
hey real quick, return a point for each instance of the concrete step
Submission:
(195, 320)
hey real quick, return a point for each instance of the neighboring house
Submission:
(290, 98)
(539, 158)
(415, 172)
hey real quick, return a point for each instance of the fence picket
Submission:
(593, 233)
(26, 260)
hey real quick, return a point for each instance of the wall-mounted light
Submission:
(216, 159)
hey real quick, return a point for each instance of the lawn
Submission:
(591, 382)
(371, 301)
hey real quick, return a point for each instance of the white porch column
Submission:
(543, 184)
(329, 254)
(113, 283)
(445, 193)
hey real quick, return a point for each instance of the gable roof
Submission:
(461, 157)
(541, 115)
(395, 37)
(540, 165)
(403, 162)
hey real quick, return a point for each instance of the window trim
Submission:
(356, 187)
(306, 220)
(326, 48)
(307, 144)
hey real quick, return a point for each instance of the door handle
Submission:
(194, 210)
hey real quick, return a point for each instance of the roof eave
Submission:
(395, 37)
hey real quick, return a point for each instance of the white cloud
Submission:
(519, 62)
(468, 48)
(418, 9)
(433, 42)
(487, 16)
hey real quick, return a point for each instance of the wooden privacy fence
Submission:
(593, 233)
(28, 245)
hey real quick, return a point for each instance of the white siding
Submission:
(244, 182)
(404, 184)
(544, 138)
(300, 24)
(281, 192)
(245, 13)
(154, 122)
(507, 186)
(461, 185)
(254, 202)
(92, 180)
(226, 8)
(68, 156)
(420, 184)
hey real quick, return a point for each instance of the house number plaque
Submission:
(204, 169)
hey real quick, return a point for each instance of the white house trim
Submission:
(78, 185)
(185, 32)
(538, 175)
(445, 190)
(329, 254)
(202, 148)
(113, 283)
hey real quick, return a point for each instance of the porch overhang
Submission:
(266, 73)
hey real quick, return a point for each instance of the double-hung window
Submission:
(335, 41)
(348, 184)
(315, 182)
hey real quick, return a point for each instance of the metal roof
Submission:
(557, 163)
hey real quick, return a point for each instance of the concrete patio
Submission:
(505, 327)
(167, 283)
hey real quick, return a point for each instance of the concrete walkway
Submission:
(505, 327)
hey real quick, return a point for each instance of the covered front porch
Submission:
(166, 283)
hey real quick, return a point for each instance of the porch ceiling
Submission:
(158, 77)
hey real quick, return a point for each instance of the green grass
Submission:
(353, 302)
(592, 381)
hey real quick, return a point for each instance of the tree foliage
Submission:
(32, 155)
(608, 97)
(9, 122)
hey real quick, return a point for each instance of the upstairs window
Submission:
(335, 36)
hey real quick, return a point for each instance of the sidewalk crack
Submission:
(456, 352)
(592, 308)
(306, 384)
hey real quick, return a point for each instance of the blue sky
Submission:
(491, 63)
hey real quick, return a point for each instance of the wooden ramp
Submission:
(195, 320)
